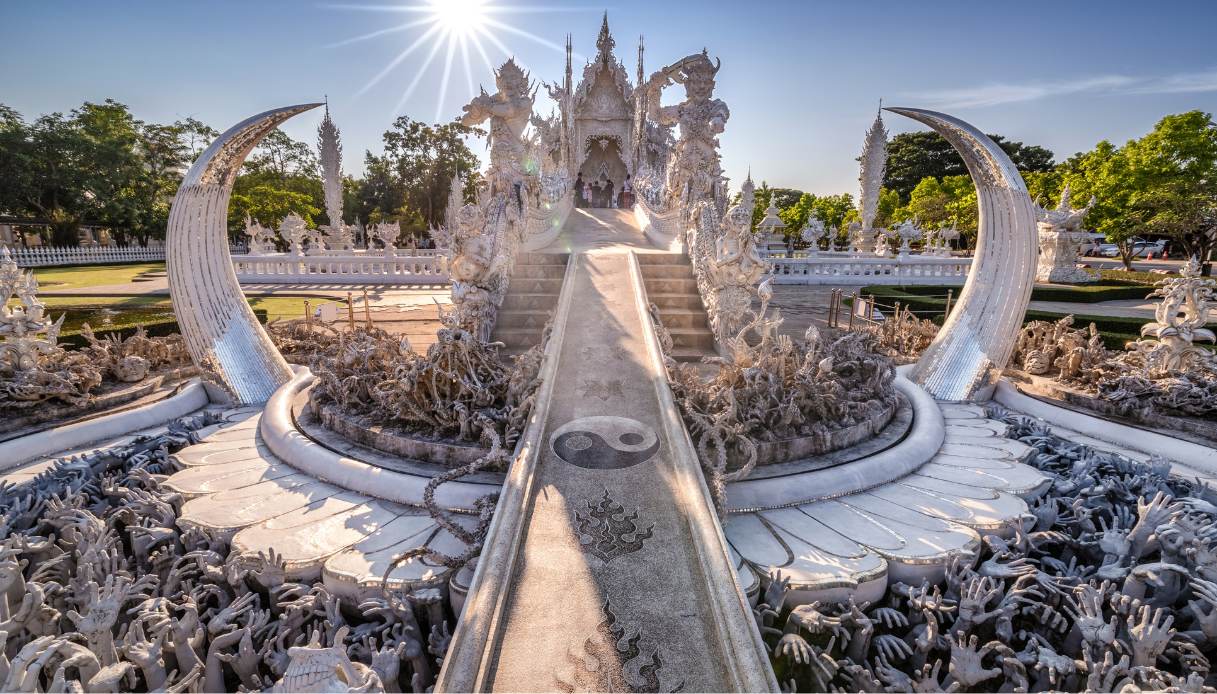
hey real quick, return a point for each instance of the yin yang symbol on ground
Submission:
(604, 442)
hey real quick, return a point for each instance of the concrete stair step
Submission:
(558, 259)
(517, 337)
(689, 355)
(505, 353)
(692, 337)
(666, 300)
(665, 285)
(522, 318)
(684, 318)
(645, 259)
(538, 271)
(534, 285)
(670, 271)
(523, 301)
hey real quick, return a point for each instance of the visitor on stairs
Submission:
(626, 199)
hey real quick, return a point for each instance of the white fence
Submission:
(850, 270)
(41, 256)
(425, 266)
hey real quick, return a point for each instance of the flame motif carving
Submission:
(613, 662)
(612, 532)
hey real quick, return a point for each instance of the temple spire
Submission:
(329, 146)
(605, 42)
(870, 173)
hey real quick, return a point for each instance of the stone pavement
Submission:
(611, 541)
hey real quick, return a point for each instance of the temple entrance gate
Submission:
(603, 164)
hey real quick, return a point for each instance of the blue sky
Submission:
(802, 79)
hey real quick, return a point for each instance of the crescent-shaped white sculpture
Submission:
(220, 330)
(967, 357)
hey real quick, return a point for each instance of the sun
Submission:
(444, 33)
(460, 17)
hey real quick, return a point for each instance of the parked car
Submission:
(1092, 243)
(1140, 248)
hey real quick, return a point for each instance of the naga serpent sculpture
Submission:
(220, 330)
(967, 358)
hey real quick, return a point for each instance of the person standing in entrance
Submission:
(627, 193)
(609, 199)
(580, 199)
(587, 194)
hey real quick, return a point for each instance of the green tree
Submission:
(889, 202)
(832, 210)
(1173, 172)
(928, 203)
(280, 177)
(269, 205)
(912, 157)
(16, 168)
(195, 136)
(1103, 173)
(410, 182)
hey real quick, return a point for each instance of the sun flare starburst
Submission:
(449, 27)
(460, 17)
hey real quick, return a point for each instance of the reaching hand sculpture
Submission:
(1168, 374)
(1033, 612)
(192, 620)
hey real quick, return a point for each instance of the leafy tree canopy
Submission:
(914, 156)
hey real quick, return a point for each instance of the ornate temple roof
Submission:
(605, 61)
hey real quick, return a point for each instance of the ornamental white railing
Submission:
(775, 252)
(42, 256)
(661, 228)
(839, 270)
(429, 267)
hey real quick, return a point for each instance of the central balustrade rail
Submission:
(838, 269)
(424, 266)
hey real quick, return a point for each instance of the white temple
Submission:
(604, 128)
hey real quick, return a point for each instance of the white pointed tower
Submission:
(870, 179)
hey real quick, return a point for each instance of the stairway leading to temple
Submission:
(604, 530)
(531, 297)
(671, 286)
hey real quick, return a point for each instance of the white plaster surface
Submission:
(46, 444)
(1188, 459)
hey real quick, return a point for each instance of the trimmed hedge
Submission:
(157, 328)
(1082, 294)
(1115, 330)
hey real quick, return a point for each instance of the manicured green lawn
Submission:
(81, 276)
(929, 302)
(125, 310)
(285, 307)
